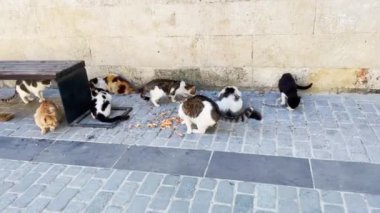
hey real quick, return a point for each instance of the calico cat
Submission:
(48, 116)
(164, 87)
(201, 111)
(25, 89)
(114, 84)
(119, 85)
(230, 105)
(100, 106)
(288, 88)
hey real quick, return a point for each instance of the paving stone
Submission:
(288, 206)
(28, 196)
(224, 192)
(139, 204)
(202, 201)
(266, 196)
(309, 200)
(162, 198)
(114, 209)
(4, 186)
(287, 193)
(179, 206)
(74, 207)
(56, 186)
(116, 180)
(331, 197)
(136, 176)
(246, 187)
(99, 202)
(374, 154)
(333, 209)
(243, 203)
(186, 188)
(172, 180)
(88, 192)
(72, 171)
(373, 200)
(10, 147)
(103, 173)
(150, 184)
(37, 205)
(7, 199)
(51, 175)
(125, 195)
(63, 198)
(355, 203)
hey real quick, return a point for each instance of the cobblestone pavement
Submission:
(342, 127)
(37, 187)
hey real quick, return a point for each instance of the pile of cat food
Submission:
(162, 121)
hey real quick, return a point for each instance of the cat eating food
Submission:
(230, 105)
(48, 116)
(288, 88)
(114, 84)
(164, 87)
(27, 88)
(201, 111)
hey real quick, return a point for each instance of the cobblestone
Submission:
(320, 114)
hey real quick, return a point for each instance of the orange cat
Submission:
(48, 116)
(118, 85)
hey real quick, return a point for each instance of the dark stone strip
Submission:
(165, 160)
(21, 148)
(346, 176)
(328, 175)
(260, 168)
(82, 153)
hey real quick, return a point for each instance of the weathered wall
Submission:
(335, 44)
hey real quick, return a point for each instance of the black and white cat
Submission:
(288, 88)
(27, 88)
(201, 111)
(100, 106)
(164, 87)
(230, 104)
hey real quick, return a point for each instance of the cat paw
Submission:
(188, 131)
(290, 109)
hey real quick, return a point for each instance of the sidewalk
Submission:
(236, 167)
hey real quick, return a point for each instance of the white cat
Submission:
(27, 88)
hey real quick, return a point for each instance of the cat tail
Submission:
(304, 87)
(252, 114)
(9, 98)
(142, 93)
(103, 118)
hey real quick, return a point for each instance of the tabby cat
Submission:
(48, 116)
(27, 88)
(164, 87)
(288, 88)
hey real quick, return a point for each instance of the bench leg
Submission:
(75, 93)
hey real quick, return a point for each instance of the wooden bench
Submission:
(71, 78)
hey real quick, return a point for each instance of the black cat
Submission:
(288, 88)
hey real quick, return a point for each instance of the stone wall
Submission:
(335, 44)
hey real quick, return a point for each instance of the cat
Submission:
(25, 89)
(230, 105)
(100, 106)
(114, 84)
(119, 85)
(288, 89)
(164, 87)
(201, 111)
(48, 116)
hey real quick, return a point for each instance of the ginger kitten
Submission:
(48, 116)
